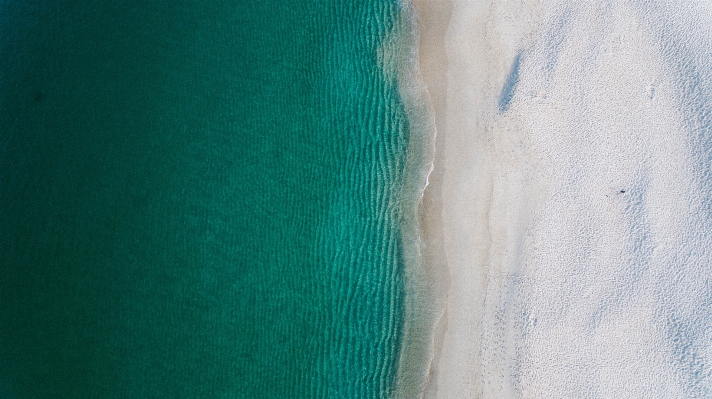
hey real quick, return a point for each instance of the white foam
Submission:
(576, 206)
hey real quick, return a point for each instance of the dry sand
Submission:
(566, 225)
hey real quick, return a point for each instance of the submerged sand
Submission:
(565, 219)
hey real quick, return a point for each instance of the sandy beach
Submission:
(552, 218)
(464, 70)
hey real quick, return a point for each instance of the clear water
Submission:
(199, 199)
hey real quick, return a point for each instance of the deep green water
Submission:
(199, 199)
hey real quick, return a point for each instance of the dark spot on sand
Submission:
(510, 86)
(622, 191)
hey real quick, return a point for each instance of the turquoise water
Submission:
(199, 199)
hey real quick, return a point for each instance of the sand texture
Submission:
(569, 205)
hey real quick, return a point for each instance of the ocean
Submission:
(201, 199)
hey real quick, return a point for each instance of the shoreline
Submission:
(426, 274)
(464, 61)
(433, 19)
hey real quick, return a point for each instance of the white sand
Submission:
(570, 216)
